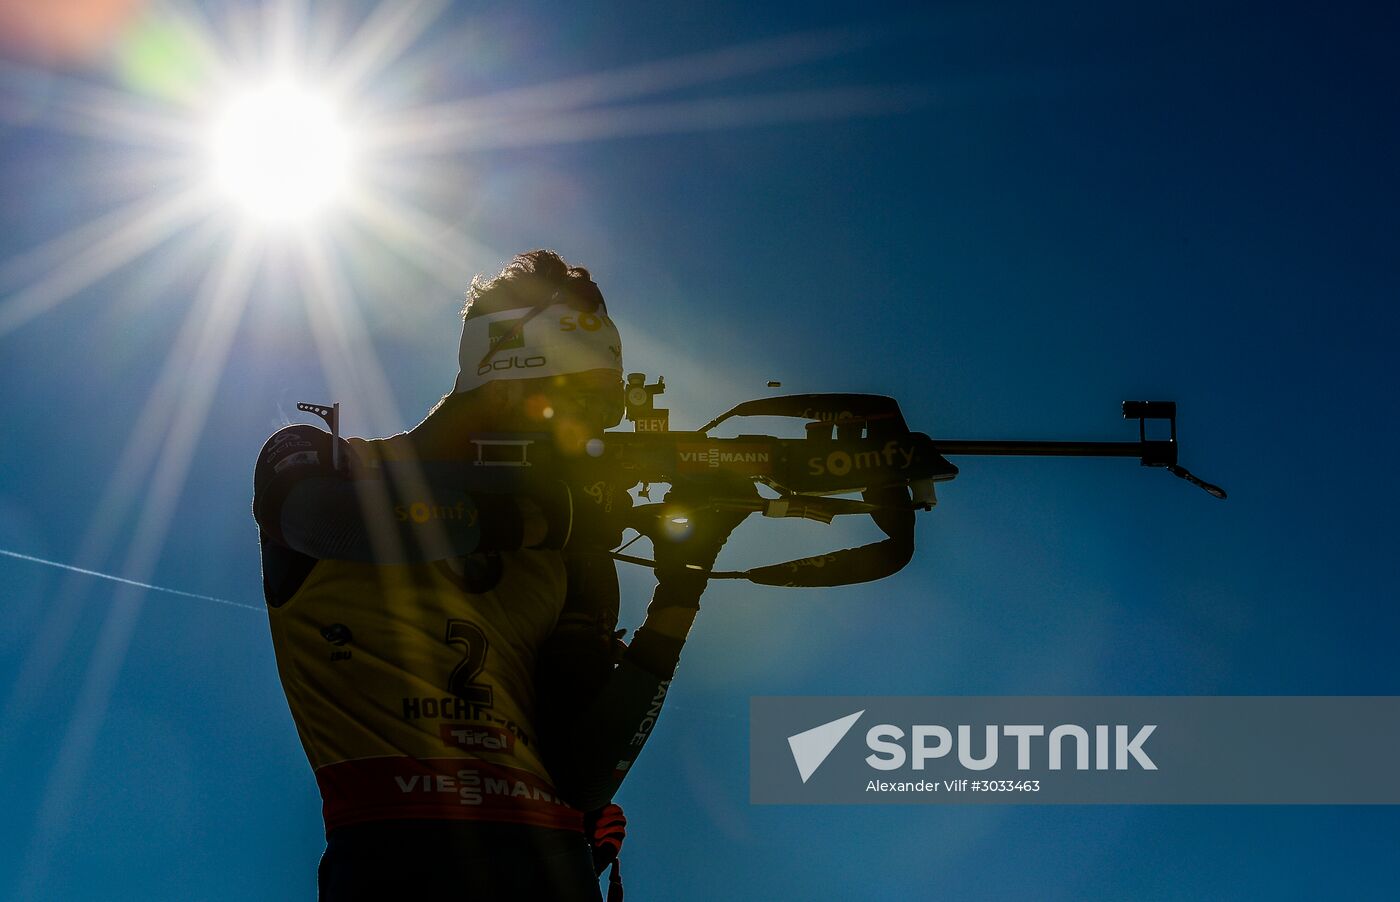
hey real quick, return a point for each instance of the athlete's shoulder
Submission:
(291, 454)
(292, 447)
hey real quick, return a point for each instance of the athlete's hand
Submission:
(606, 829)
(698, 517)
(600, 513)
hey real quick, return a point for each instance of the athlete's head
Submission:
(538, 351)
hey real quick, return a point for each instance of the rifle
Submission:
(853, 443)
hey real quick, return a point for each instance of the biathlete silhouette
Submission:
(446, 633)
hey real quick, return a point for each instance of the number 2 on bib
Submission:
(468, 636)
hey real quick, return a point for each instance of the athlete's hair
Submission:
(527, 280)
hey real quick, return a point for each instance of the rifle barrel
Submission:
(1042, 449)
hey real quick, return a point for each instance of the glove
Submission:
(600, 512)
(699, 516)
(606, 828)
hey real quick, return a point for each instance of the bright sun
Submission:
(281, 153)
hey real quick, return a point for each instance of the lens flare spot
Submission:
(676, 527)
(539, 407)
(571, 436)
(158, 59)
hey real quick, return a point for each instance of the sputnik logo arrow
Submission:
(811, 747)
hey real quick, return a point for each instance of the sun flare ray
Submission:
(108, 254)
(118, 117)
(686, 116)
(422, 126)
(389, 31)
(59, 251)
(446, 253)
(345, 339)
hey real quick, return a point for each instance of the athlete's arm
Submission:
(393, 513)
(597, 707)
(598, 700)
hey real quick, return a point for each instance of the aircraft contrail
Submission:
(129, 582)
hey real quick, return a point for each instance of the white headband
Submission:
(553, 341)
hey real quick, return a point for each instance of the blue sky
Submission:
(1006, 215)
